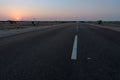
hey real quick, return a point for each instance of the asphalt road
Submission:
(46, 55)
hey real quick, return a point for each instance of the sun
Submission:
(17, 18)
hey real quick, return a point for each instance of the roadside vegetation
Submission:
(104, 23)
(108, 23)
(7, 25)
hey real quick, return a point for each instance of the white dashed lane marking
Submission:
(74, 50)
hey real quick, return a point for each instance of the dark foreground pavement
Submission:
(46, 55)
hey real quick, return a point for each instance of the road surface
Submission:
(71, 51)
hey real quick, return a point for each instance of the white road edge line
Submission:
(74, 50)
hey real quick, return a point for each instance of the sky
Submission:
(56, 10)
